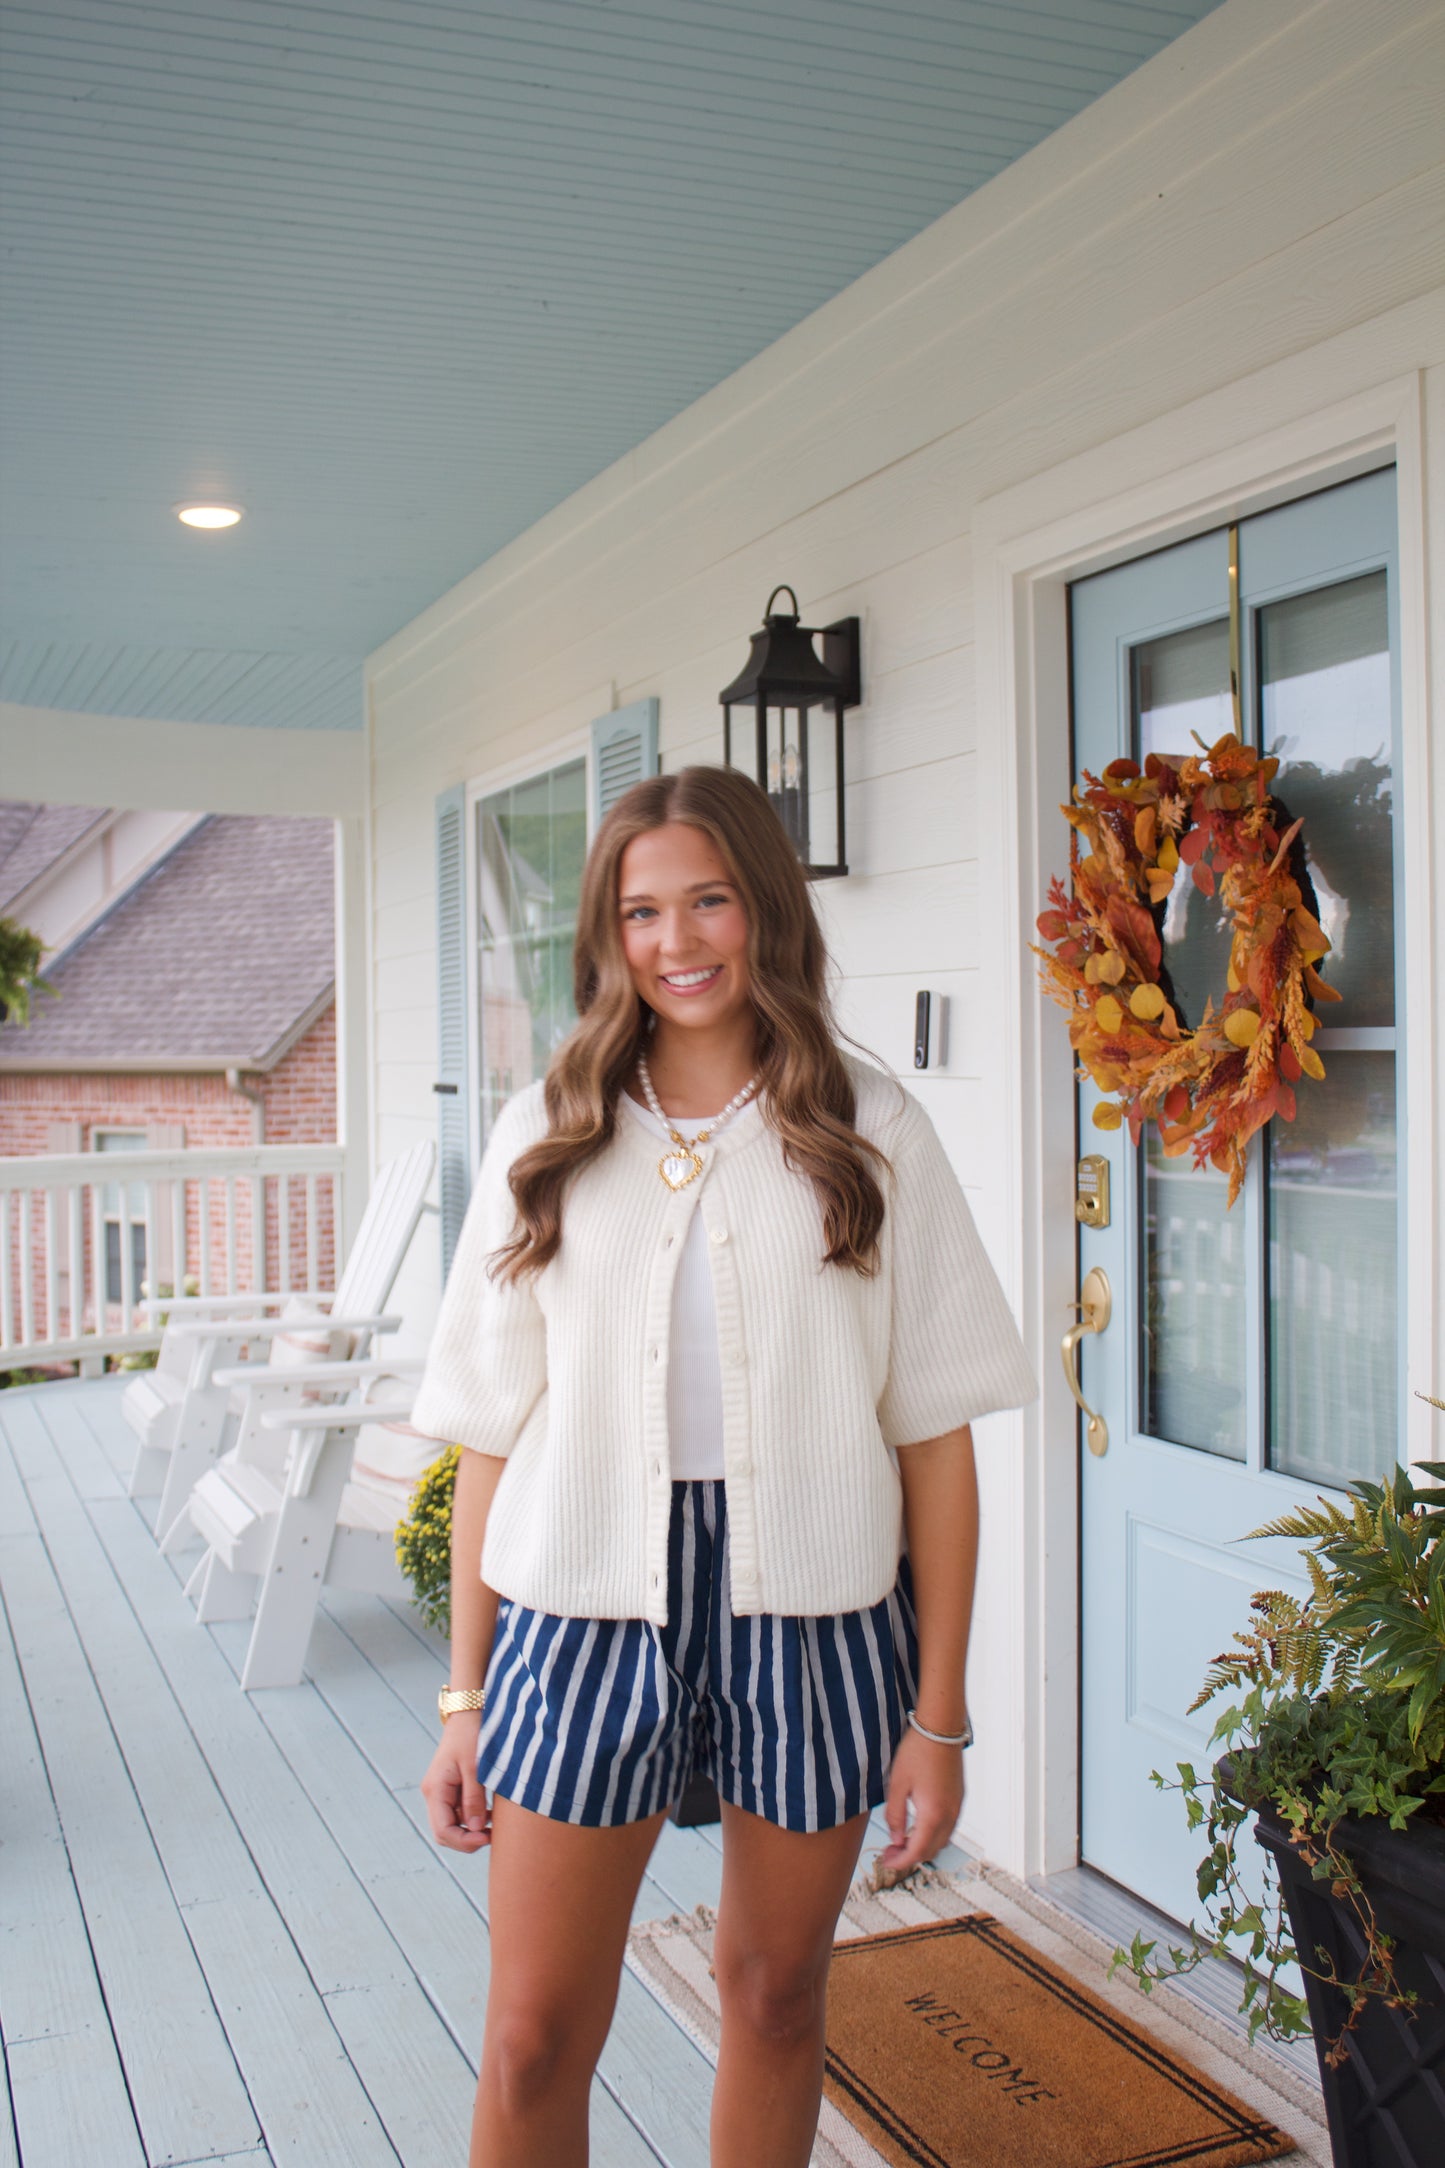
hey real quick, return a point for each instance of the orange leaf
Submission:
(1308, 931)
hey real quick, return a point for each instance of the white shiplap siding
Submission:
(1269, 182)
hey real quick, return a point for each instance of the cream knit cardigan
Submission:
(825, 1373)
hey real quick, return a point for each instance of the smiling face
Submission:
(684, 929)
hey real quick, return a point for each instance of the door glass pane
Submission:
(1332, 1317)
(1325, 694)
(1333, 1372)
(1191, 1340)
(1181, 686)
(1192, 1254)
(531, 844)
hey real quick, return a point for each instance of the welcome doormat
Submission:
(954, 2044)
(673, 1958)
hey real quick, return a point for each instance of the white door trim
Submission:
(1178, 475)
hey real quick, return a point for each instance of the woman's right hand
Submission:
(456, 1804)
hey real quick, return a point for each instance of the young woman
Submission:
(716, 1328)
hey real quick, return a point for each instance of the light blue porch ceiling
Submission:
(400, 277)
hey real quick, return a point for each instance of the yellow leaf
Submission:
(1144, 824)
(1109, 1013)
(1311, 1064)
(1111, 968)
(1108, 1114)
(1231, 977)
(1168, 856)
(1147, 1001)
(1241, 1027)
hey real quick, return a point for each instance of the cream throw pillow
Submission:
(309, 1339)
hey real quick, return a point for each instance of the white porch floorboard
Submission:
(227, 1936)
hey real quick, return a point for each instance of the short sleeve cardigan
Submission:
(825, 1372)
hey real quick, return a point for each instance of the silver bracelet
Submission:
(939, 1738)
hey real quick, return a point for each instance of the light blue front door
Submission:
(1254, 1355)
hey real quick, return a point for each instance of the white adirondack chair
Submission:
(183, 1416)
(310, 1499)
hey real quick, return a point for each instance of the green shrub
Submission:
(20, 953)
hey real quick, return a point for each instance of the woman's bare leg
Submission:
(561, 1904)
(782, 1892)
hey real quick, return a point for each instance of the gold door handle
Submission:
(1096, 1301)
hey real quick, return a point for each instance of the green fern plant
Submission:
(1334, 1707)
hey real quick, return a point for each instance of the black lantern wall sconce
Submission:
(785, 686)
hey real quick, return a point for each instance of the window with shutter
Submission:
(624, 750)
(531, 844)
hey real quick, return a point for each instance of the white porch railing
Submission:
(85, 1237)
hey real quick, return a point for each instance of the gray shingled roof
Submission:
(32, 837)
(216, 958)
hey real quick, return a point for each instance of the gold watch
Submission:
(453, 1699)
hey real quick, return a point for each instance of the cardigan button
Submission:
(736, 1357)
(719, 1234)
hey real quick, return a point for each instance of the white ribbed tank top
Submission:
(694, 1369)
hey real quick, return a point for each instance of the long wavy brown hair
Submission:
(804, 1089)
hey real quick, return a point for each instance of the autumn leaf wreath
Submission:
(1210, 1088)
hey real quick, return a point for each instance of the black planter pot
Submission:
(1386, 2101)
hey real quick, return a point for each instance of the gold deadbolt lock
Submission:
(1091, 1190)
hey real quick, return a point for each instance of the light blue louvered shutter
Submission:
(624, 750)
(453, 1086)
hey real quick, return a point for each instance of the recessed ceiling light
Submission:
(208, 515)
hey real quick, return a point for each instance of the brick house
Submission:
(193, 961)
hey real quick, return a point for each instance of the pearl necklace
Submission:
(683, 1166)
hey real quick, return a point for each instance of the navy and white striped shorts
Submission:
(600, 1721)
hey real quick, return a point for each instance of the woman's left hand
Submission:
(931, 1777)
